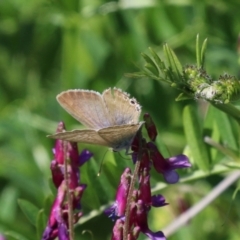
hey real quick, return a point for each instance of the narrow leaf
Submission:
(15, 235)
(194, 137)
(160, 64)
(135, 75)
(41, 223)
(152, 69)
(225, 129)
(8, 200)
(173, 61)
(182, 96)
(211, 129)
(155, 57)
(177, 64)
(203, 50)
(150, 62)
(198, 55)
(30, 210)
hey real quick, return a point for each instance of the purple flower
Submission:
(158, 201)
(84, 157)
(141, 200)
(167, 166)
(117, 233)
(57, 225)
(141, 222)
(118, 208)
(150, 126)
(76, 160)
(2, 237)
(55, 218)
(145, 188)
(63, 232)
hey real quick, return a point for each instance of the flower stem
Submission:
(131, 188)
(69, 198)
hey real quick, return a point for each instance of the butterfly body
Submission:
(112, 117)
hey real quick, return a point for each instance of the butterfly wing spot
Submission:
(132, 101)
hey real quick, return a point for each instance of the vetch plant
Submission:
(131, 207)
(220, 98)
(112, 119)
(192, 81)
(66, 178)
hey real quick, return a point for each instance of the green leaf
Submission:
(30, 210)
(203, 50)
(99, 189)
(160, 64)
(182, 96)
(151, 63)
(156, 58)
(173, 61)
(236, 190)
(230, 109)
(225, 130)
(162, 147)
(198, 55)
(152, 69)
(8, 199)
(212, 129)
(194, 137)
(15, 235)
(41, 223)
(48, 202)
(135, 75)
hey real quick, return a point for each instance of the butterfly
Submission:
(112, 118)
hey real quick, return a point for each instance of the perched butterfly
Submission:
(112, 117)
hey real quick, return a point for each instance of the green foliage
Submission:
(194, 138)
(29, 210)
(50, 46)
(193, 81)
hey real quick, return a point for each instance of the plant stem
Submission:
(131, 188)
(204, 202)
(229, 109)
(129, 199)
(226, 151)
(69, 198)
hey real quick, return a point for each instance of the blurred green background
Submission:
(50, 46)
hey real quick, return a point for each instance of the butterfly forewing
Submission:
(85, 136)
(87, 107)
(121, 108)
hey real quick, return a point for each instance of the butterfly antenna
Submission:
(101, 164)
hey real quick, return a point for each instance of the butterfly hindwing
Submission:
(120, 137)
(85, 136)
